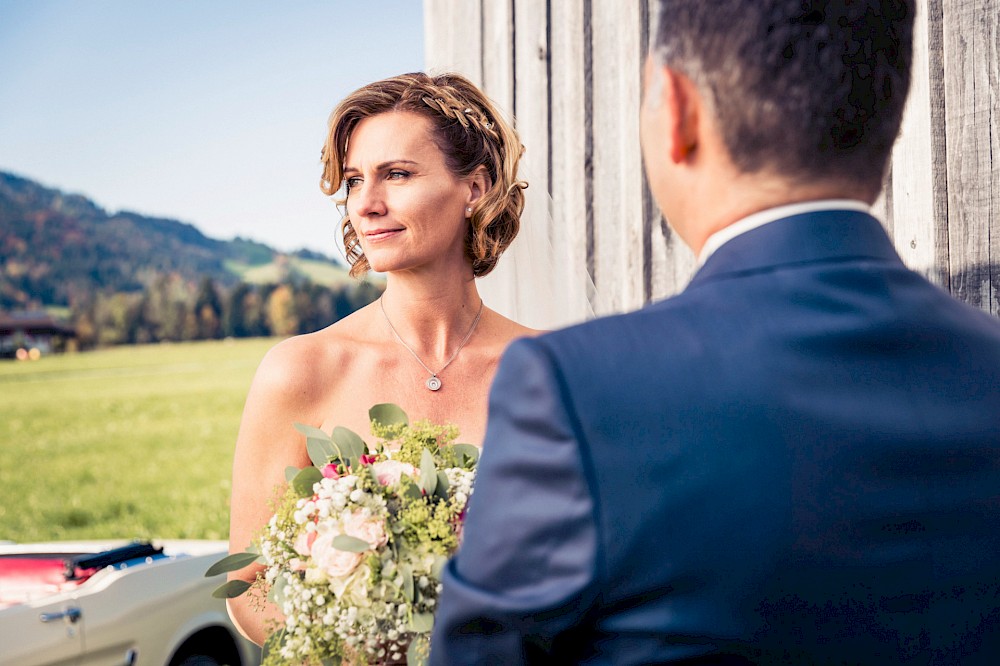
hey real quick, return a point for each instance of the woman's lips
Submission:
(381, 234)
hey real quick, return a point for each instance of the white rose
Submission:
(336, 563)
(368, 529)
(389, 472)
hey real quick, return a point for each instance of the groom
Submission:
(797, 459)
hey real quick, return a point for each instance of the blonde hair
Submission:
(468, 129)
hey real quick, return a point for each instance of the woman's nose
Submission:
(368, 200)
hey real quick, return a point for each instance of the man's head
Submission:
(806, 90)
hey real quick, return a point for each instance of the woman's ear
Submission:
(479, 184)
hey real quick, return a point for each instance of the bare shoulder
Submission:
(304, 369)
(507, 330)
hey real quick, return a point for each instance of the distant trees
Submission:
(173, 309)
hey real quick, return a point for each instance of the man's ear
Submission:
(479, 184)
(679, 110)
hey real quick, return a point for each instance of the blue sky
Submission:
(210, 112)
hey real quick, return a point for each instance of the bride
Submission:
(429, 170)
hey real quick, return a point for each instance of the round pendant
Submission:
(433, 383)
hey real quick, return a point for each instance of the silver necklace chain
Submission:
(433, 382)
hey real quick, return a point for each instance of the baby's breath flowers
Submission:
(354, 551)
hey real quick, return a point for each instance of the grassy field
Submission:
(129, 442)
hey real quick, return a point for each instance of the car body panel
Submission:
(141, 613)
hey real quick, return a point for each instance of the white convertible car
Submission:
(115, 604)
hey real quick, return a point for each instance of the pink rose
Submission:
(336, 563)
(330, 472)
(303, 543)
(367, 529)
(367, 459)
(389, 472)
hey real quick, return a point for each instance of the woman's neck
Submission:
(431, 316)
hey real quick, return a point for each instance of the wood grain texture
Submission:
(918, 201)
(568, 147)
(453, 38)
(498, 53)
(617, 195)
(972, 114)
(941, 204)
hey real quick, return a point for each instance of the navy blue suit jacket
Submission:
(796, 460)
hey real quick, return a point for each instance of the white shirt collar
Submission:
(726, 234)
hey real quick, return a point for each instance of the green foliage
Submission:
(431, 524)
(130, 279)
(304, 481)
(231, 589)
(350, 544)
(414, 438)
(233, 562)
(129, 442)
(388, 414)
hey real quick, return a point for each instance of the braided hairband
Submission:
(466, 117)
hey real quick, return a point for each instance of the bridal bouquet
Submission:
(354, 551)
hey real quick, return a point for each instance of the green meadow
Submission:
(128, 442)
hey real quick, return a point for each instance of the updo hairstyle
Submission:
(468, 129)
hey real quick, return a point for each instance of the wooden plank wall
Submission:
(569, 71)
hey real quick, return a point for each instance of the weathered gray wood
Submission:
(617, 195)
(531, 99)
(918, 199)
(498, 52)
(942, 200)
(972, 116)
(531, 119)
(437, 32)
(568, 148)
(453, 38)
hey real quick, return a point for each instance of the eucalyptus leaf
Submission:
(290, 472)
(442, 485)
(233, 562)
(311, 431)
(411, 489)
(466, 451)
(422, 623)
(388, 414)
(419, 651)
(350, 544)
(407, 573)
(388, 568)
(321, 451)
(231, 589)
(428, 472)
(438, 566)
(276, 595)
(304, 480)
(350, 446)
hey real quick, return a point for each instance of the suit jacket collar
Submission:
(806, 238)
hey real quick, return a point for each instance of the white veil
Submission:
(539, 282)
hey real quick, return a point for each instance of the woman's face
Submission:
(407, 207)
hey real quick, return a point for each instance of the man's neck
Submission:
(723, 202)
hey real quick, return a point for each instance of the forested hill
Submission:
(125, 278)
(57, 249)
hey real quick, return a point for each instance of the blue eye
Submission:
(398, 174)
(352, 182)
